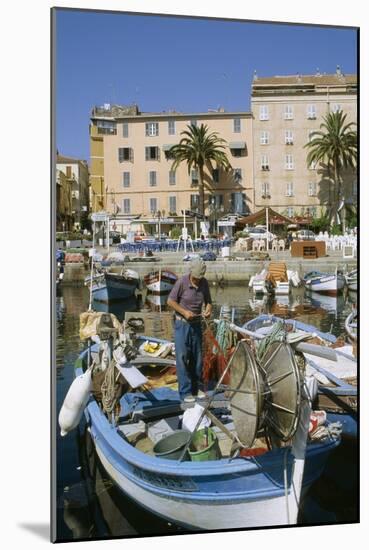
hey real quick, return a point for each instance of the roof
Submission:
(61, 159)
(317, 79)
(274, 217)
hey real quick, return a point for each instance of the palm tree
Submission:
(336, 145)
(198, 148)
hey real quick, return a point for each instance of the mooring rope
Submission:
(108, 396)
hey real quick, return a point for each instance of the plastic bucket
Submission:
(172, 446)
(204, 446)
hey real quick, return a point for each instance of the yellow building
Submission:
(76, 171)
(131, 173)
(64, 216)
(286, 110)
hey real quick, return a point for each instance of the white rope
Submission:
(108, 398)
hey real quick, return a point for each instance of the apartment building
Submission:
(131, 172)
(77, 173)
(286, 110)
(64, 216)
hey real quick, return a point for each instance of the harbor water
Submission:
(89, 505)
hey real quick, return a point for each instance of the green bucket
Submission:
(172, 446)
(204, 445)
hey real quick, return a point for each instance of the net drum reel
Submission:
(265, 395)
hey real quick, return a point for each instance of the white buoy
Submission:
(74, 403)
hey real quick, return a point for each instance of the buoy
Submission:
(74, 403)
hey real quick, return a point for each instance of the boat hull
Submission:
(327, 284)
(160, 282)
(199, 500)
(114, 288)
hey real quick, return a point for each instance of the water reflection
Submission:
(89, 504)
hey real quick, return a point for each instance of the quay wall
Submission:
(230, 271)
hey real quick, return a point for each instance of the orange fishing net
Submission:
(215, 359)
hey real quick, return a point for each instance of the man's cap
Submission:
(197, 268)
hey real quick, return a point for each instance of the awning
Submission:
(167, 146)
(237, 145)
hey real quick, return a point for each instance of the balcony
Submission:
(107, 131)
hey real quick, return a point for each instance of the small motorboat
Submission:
(110, 287)
(351, 280)
(160, 281)
(325, 283)
(351, 325)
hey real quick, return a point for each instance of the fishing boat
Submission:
(351, 325)
(325, 283)
(160, 281)
(351, 280)
(237, 477)
(110, 287)
(336, 374)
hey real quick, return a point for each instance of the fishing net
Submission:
(217, 350)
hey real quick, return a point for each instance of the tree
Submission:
(336, 145)
(198, 148)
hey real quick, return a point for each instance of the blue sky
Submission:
(186, 64)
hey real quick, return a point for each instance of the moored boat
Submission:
(160, 281)
(326, 283)
(351, 280)
(248, 480)
(351, 325)
(110, 287)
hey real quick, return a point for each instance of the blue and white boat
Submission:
(235, 490)
(326, 283)
(110, 287)
(337, 389)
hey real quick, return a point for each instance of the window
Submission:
(288, 137)
(236, 125)
(216, 201)
(336, 107)
(172, 177)
(238, 202)
(152, 128)
(172, 205)
(193, 122)
(171, 127)
(153, 205)
(194, 177)
(312, 189)
(126, 206)
(152, 178)
(194, 202)
(311, 112)
(125, 154)
(290, 211)
(126, 179)
(265, 190)
(68, 170)
(264, 162)
(264, 138)
(288, 112)
(152, 153)
(237, 152)
(263, 112)
(125, 129)
(237, 174)
(215, 174)
(106, 127)
(289, 189)
(288, 163)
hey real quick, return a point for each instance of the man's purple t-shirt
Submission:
(189, 297)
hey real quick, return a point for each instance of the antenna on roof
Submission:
(318, 72)
(255, 75)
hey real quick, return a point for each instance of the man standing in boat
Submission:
(190, 298)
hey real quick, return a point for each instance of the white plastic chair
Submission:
(281, 244)
(255, 244)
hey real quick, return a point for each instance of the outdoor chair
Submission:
(281, 244)
(274, 244)
(255, 245)
(261, 245)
